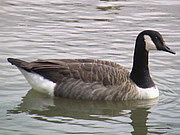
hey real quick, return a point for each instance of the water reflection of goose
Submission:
(96, 79)
(63, 110)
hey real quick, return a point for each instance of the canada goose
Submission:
(96, 79)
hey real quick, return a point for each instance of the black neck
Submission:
(140, 71)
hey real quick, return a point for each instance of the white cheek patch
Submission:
(149, 44)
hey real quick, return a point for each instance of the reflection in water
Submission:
(44, 108)
(139, 118)
(105, 5)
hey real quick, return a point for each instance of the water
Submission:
(106, 30)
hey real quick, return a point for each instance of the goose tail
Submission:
(17, 62)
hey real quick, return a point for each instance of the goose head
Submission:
(146, 41)
(153, 41)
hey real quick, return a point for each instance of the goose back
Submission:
(87, 70)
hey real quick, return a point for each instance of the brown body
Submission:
(84, 78)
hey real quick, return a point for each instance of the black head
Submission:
(147, 40)
(154, 41)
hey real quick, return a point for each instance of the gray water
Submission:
(105, 29)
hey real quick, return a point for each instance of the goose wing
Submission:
(86, 70)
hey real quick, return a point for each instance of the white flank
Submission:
(148, 93)
(149, 43)
(39, 83)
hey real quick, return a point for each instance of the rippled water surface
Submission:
(103, 29)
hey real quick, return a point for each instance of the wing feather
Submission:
(87, 70)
